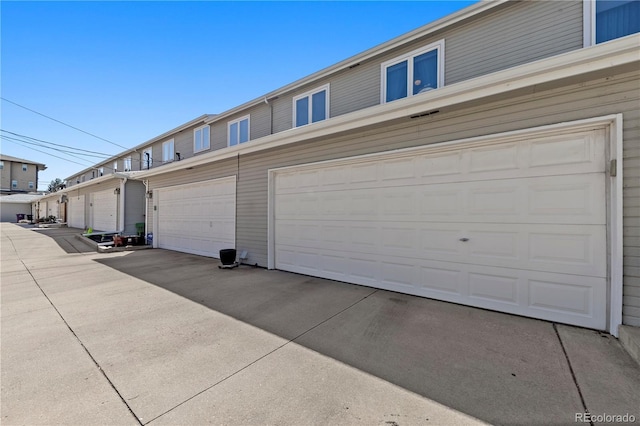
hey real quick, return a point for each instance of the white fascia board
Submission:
(423, 31)
(600, 57)
(97, 181)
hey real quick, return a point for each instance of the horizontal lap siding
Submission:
(618, 94)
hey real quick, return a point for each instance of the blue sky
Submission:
(130, 71)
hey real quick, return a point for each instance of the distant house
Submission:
(17, 204)
(479, 160)
(18, 176)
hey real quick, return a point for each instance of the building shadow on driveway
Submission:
(500, 368)
(66, 239)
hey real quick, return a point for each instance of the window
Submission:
(416, 72)
(201, 138)
(147, 158)
(14, 184)
(1, 165)
(31, 185)
(127, 164)
(101, 171)
(614, 18)
(167, 151)
(82, 178)
(24, 167)
(238, 131)
(311, 107)
(115, 166)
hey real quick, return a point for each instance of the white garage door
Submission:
(198, 218)
(517, 226)
(104, 211)
(76, 211)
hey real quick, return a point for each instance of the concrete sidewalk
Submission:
(162, 337)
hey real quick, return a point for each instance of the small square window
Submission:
(14, 184)
(31, 185)
(201, 139)
(168, 153)
(238, 131)
(1, 165)
(416, 72)
(24, 167)
(311, 107)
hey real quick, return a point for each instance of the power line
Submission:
(61, 122)
(56, 144)
(47, 153)
(71, 153)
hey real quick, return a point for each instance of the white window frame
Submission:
(115, 166)
(127, 162)
(589, 23)
(203, 148)
(101, 171)
(25, 167)
(170, 142)
(147, 165)
(230, 123)
(31, 185)
(309, 94)
(1, 165)
(82, 178)
(14, 184)
(438, 46)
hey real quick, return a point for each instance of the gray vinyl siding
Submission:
(518, 34)
(510, 35)
(133, 205)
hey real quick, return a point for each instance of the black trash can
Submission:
(19, 217)
(30, 217)
(228, 256)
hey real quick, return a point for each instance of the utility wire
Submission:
(61, 122)
(48, 153)
(71, 153)
(55, 144)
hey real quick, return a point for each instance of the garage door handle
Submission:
(464, 240)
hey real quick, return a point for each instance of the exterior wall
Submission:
(134, 202)
(548, 104)
(9, 211)
(13, 171)
(515, 34)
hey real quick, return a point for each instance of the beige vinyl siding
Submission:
(522, 110)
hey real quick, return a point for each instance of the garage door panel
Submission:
(557, 199)
(197, 218)
(76, 212)
(104, 213)
(518, 227)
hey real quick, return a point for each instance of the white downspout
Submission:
(122, 204)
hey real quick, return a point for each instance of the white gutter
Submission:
(600, 57)
(423, 31)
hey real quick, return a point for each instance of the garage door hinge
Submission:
(613, 167)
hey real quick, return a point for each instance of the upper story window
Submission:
(201, 140)
(115, 166)
(311, 106)
(31, 185)
(238, 131)
(24, 167)
(127, 164)
(101, 171)
(82, 178)
(1, 165)
(147, 158)
(615, 19)
(413, 73)
(14, 184)
(168, 151)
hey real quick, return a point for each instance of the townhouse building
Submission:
(18, 176)
(490, 158)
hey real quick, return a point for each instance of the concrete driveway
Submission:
(159, 337)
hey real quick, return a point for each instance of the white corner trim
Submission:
(271, 220)
(615, 226)
(588, 23)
